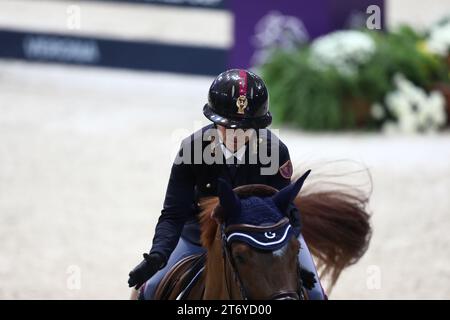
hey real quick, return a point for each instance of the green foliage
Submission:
(317, 99)
(300, 95)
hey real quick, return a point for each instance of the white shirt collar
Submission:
(239, 154)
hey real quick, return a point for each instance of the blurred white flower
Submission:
(437, 107)
(344, 50)
(407, 123)
(413, 109)
(408, 89)
(438, 41)
(390, 127)
(377, 111)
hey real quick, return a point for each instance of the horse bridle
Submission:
(280, 295)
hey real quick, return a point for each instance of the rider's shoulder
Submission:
(273, 141)
(198, 138)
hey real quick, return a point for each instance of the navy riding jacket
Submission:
(189, 181)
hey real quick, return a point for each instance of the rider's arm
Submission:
(282, 179)
(176, 209)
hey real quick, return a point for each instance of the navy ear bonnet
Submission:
(259, 222)
(268, 228)
(255, 211)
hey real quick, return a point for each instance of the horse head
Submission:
(254, 245)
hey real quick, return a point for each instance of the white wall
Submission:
(415, 13)
(129, 21)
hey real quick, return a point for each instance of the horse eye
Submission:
(238, 258)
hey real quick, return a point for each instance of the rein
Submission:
(226, 257)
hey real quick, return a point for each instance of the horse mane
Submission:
(208, 224)
(335, 224)
(210, 206)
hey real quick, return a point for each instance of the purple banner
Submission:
(263, 24)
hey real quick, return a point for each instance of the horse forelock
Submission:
(257, 190)
(208, 224)
(211, 204)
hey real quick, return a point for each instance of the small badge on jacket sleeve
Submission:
(286, 170)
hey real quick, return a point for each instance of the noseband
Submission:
(226, 246)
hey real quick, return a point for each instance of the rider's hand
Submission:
(308, 278)
(145, 270)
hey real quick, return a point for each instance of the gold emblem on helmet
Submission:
(241, 103)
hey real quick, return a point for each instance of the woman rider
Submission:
(244, 152)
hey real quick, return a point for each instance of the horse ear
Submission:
(228, 199)
(285, 196)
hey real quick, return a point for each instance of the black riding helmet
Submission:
(238, 99)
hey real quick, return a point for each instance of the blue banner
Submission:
(114, 53)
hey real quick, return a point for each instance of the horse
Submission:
(252, 249)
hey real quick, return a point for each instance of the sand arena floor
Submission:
(85, 156)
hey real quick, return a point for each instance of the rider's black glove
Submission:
(146, 269)
(308, 278)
